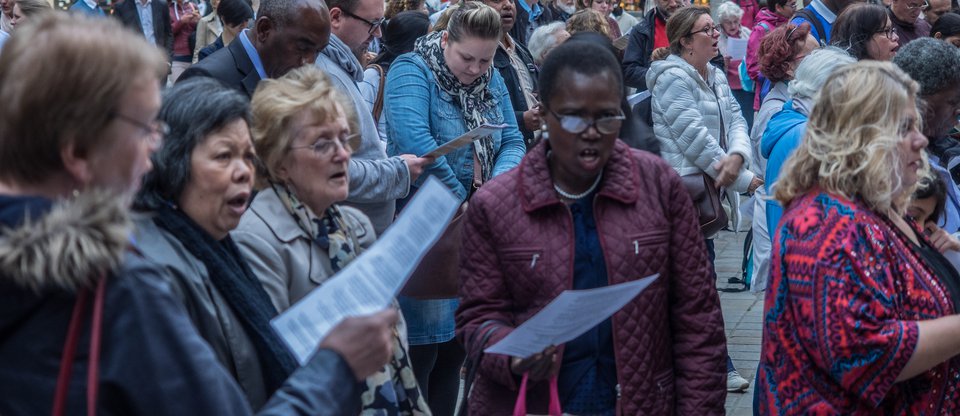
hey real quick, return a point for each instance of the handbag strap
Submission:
(70, 349)
(378, 103)
(723, 129)
(486, 329)
(520, 409)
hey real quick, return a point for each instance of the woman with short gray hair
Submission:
(786, 128)
(545, 38)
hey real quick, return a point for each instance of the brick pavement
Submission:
(742, 319)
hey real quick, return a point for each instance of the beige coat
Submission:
(208, 29)
(282, 255)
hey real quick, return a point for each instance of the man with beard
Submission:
(649, 34)
(519, 73)
(935, 65)
(563, 9)
(376, 181)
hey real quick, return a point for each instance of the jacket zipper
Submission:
(613, 322)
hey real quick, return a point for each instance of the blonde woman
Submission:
(294, 235)
(861, 313)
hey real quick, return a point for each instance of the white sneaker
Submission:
(736, 383)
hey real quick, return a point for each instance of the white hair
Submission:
(729, 11)
(544, 39)
(814, 71)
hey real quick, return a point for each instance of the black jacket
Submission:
(521, 23)
(126, 11)
(501, 60)
(152, 360)
(636, 58)
(230, 65)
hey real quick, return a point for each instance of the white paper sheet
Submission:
(370, 282)
(467, 138)
(736, 48)
(567, 317)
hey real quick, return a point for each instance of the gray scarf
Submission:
(340, 53)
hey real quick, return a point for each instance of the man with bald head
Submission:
(286, 35)
(936, 9)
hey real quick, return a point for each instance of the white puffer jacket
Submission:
(686, 120)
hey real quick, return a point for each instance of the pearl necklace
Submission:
(575, 197)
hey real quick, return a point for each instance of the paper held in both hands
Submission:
(370, 282)
(568, 316)
(469, 137)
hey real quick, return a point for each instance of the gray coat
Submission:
(206, 306)
(282, 255)
(376, 181)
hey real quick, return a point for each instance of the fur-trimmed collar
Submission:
(68, 246)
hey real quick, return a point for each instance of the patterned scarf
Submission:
(392, 391)
(474, 99)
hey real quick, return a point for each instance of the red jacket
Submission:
(518, 255)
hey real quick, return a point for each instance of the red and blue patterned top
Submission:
(840, 317)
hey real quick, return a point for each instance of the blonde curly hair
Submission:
(850, 144)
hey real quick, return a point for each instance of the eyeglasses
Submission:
(924, 6)
(889, 32)
(374, 24)
(576, 124)
(324, 146)
(155, 130)
(707, 30)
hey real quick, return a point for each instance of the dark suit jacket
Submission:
(501, 60)
(230, 65)
(126, 11)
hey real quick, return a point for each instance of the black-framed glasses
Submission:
(889, 32)
(155, 129)
(324, 146)
(923, 6)
(576, 124)
(374, 24)
(707, 30)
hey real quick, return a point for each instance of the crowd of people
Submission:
(176, 174)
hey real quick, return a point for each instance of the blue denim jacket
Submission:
(420, 117)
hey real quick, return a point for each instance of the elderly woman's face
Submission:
(315, 167)
(590, 101)
(731, 27)
(123, 156)
(910, 147)
(221, 179)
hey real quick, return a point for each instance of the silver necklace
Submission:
(575, 197)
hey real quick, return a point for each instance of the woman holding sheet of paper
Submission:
(583, 211)
(446, 87)
(295, 236)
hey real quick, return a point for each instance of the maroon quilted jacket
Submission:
(518, 255)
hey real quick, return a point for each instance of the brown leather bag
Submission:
(706, 199)
(438, 274)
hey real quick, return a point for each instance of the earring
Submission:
(543, 127)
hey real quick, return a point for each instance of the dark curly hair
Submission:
(780, 48)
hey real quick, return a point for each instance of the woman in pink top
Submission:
(183, 20)
(729, 15)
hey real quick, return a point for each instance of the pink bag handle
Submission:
(520, 409)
